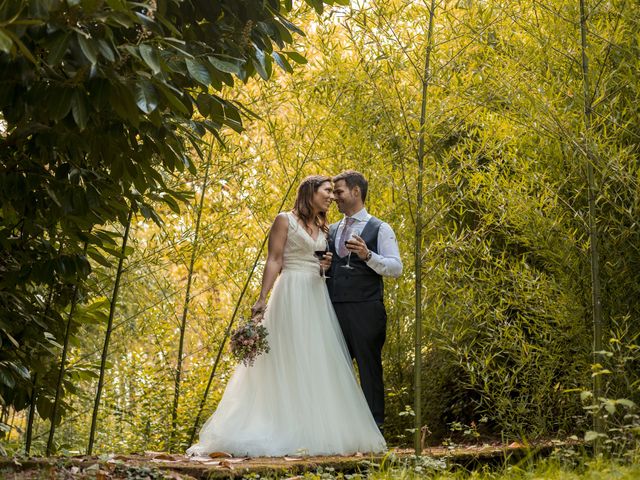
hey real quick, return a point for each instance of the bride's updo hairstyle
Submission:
(302, 208)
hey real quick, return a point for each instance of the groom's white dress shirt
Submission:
(387, 261)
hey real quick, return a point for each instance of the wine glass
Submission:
(320, 254)
(348, 264)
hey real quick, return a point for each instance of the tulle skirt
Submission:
(302, 398)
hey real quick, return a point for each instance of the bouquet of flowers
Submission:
(249, 340)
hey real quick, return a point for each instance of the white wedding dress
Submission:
(302, 398)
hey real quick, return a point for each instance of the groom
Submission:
(357, 292)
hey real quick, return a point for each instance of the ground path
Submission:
(158, 465)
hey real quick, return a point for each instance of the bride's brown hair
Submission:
(302, 208)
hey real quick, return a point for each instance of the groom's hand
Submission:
(358, 246)
(326, 261)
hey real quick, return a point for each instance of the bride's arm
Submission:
(277, 239)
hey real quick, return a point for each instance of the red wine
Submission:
(320, 253)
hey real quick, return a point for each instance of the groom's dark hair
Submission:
(352, 179)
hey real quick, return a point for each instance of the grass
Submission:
(547, 469)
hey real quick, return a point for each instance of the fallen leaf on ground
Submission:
(236, 460)
(226, 464)
(220, 454)
(515, 445)
(102, 475)
(291, 459)
(165, 456)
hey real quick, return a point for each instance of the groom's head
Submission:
(350, 191)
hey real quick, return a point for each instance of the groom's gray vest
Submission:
(361, 284)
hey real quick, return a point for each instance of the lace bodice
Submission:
(298, 251)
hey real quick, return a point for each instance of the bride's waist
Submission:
(308, 266)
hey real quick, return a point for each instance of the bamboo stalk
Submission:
(417, 438)
(185, 310)
(596, 303)
(10, 423)
(105, 350)
(63, 361)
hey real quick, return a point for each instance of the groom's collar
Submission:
(361, 216)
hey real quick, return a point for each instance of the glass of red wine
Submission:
(348, 264)
(320, 255)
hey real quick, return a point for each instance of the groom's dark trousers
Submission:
(357, 298)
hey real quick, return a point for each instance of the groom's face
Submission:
(345, 198)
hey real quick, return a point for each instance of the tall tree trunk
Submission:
(596, 303)
(185, 310)
(32, 413)
(63, 361)
(417, 439)
(34, 394)
(107, 337)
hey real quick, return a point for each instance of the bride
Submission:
(301, 398)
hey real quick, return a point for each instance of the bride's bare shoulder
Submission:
(281, 220)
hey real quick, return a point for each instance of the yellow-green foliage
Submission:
(505, 263)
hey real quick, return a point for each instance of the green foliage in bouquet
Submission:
(248, 341)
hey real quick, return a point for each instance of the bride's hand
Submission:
(257, 311)
(326, 261)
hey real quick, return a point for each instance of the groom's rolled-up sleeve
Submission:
(387, 261)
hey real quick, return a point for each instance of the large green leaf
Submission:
(123, 102)
(79, 110)
(198, 72)
(59, 103)
(174, 101)
(89, 47)
(226, 66)
(58, 48)
(6, 378)
(21, 370)
(296, 57)
(145, 95)
(262, 62)
(282, 62)
(150, 55)
(105, 50)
